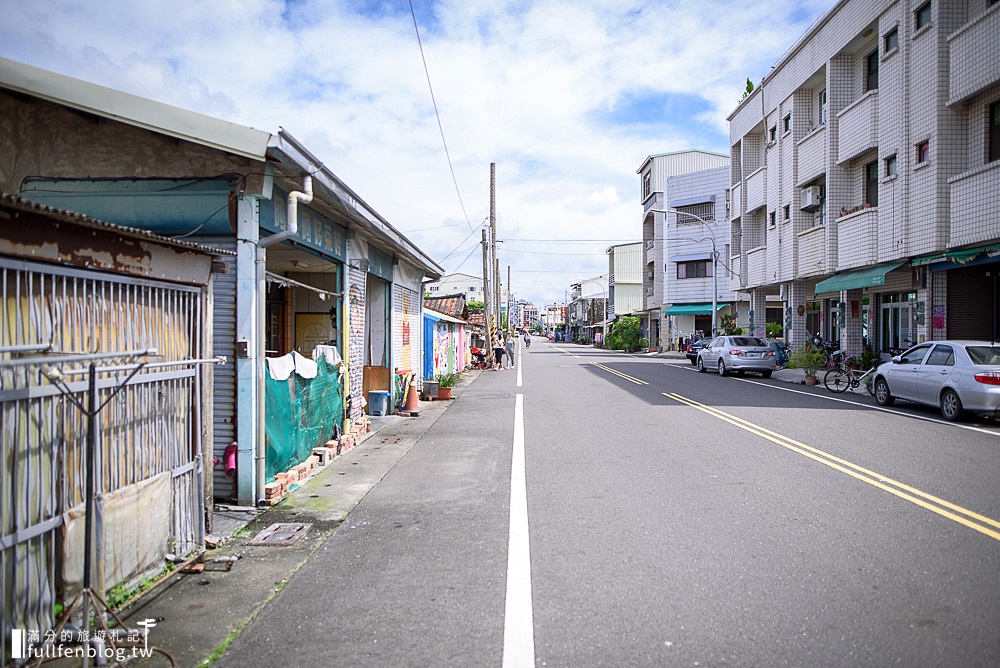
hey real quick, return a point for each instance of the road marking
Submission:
(627, 377)
(519, 366)
(874, 408)
(519, 627)
(932, 503)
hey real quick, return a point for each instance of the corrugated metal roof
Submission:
(19, 204)
(134, 110)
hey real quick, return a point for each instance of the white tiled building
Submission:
(865, 189)
(462, 284)
(700, 180)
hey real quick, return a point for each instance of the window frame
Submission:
(923, 152)
(923, 13)
(891, 166)
(993, 132)
(892, 35)
(787, 212)
(821, 103)
(786, 124)
(871, 184)
(772, 134)
(697, 265)
(871, 71)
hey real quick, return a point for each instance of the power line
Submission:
(438, 116)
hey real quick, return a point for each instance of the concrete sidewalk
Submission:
(198, 615)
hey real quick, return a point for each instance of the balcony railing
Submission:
(736, 208)
(973, 215)
(757, 267)
(858, 239)
(858, 127)
(757, 189)
(811, 151)
(812, 251)
(974, 56)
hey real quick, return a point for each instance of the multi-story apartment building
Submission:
(587, 309)
(527, 314)
(866, 176)
(656, 174)
(625, 266)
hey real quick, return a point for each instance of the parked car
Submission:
(739, 354)
(956, 376)
(691, 350)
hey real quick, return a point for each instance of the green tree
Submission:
(727, 323)
(774, 330)
(625, 334)
(476, 306)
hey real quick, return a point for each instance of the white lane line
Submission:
(519, 627)
(519, 366)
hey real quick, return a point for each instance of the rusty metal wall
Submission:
(151, 427)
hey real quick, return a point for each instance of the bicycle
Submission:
(840, 379)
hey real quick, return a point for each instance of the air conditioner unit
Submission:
(810, 199)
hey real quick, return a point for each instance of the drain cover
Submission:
(282, 535)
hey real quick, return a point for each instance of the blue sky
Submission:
(567, 97)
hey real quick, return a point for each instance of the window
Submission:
(892, 40)
(942, 356)
(890, 165)
(786, 124)
(772, 134)
(821, 101)
(915, 356)
(700, 269)
(690, 214)
(647, 184)
(872, 81)
(473, 289)
(871, 183)
(993, 132)
(923, 15)
(923, 152)
(787, 212)
(771, 219)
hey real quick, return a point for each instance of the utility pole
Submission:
(494, 264)
(510, 310)
(487, 294)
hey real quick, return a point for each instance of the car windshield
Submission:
(747, 341)
(984, 354)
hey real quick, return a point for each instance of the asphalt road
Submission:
(673, 519)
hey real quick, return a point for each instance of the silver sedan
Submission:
(739, 354)
(956, 376)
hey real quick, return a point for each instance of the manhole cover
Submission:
(281, 534)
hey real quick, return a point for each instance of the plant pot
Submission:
(811, 380)
(444, 393)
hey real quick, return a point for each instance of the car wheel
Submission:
(882, 394)
(951, 405)
(701, 365)
(722, 368)
(765, 374)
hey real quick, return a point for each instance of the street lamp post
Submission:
(715, 261)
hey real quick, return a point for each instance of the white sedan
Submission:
(957, 376)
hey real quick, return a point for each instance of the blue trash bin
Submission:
(378, 402)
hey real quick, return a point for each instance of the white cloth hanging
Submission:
(304, 366)
(330, 353)
(280, 368)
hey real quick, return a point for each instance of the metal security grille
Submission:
(150, 429)
(705, 211)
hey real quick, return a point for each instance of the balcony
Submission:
(737, 264)
(858, 127)
(975, 209)
(757, 189)
(651, 253)
(736, 194)
(858, 235)
(811, 154)
(812, 252)
(974, 56)
(757, 267)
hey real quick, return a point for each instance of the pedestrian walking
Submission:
(510, 351)
(498, 351)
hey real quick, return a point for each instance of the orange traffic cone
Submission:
(412, 397)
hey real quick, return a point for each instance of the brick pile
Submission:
(275, 492)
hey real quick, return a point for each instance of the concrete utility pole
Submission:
(487, 293)
(494, 263)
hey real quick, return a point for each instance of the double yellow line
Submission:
(631, 379)
(968, 518)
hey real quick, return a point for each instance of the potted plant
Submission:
(446, 381)
(808, 359)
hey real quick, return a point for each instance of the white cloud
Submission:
(535, 87)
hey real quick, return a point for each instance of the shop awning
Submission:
(862, 278)
(957, 257)
(691, 309)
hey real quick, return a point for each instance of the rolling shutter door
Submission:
(973, 302)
